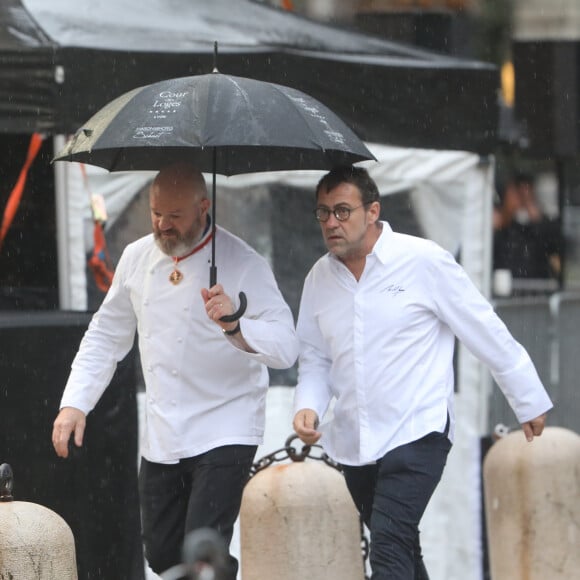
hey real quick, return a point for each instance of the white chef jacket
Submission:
(382, 348)
(201, 390)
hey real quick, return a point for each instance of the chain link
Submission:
(290, 452)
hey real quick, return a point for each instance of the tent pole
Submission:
(62, 230)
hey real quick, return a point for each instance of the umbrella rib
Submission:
(304, 119)
(279, 89)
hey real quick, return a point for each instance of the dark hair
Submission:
(358, 176)
(523, 178)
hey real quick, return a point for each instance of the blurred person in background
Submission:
(526, 241)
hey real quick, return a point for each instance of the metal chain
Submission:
(290, 452)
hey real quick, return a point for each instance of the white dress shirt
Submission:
(201, 390)
(382, 348)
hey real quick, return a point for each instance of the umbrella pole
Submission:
(213, 268)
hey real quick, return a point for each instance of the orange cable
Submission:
(16, 194)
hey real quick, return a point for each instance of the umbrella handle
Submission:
(239, 312)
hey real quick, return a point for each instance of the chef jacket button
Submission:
(180, 339)
(149, 369)
(174, 402)
(174, 372)
(145, 302)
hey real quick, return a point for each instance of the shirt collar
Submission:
(383, 244)
(381, 247)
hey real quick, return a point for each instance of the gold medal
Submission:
(175, 277)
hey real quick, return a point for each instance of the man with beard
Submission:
(205, 379)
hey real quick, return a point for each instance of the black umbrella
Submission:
(222, 124)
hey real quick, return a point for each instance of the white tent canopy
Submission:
(451, 193)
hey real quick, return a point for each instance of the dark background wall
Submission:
(95, 489)
(28, 258)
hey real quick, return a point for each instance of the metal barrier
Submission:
(566, 361)
(549, 329)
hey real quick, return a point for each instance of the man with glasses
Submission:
(377, 324)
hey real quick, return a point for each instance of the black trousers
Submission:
(391, 497)
(198, 492)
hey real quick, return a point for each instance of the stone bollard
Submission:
(532, 506)
(298, 520)
(35, 542)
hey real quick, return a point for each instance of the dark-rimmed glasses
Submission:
(340, 212)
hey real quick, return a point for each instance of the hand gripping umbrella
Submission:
(220, 123)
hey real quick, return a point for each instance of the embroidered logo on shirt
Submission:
(393, 289)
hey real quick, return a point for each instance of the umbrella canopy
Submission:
(220, 123)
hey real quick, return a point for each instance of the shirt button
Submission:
(145, 302)
(180, 339)
(149, 369)
(174, 372)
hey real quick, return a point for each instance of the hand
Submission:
(218, 304)
(534, 427)
(69, 421)
(306, 424)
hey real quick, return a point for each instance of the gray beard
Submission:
(178, 248)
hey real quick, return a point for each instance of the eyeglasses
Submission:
(340, 212)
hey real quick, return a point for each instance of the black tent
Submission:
(61, 61)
